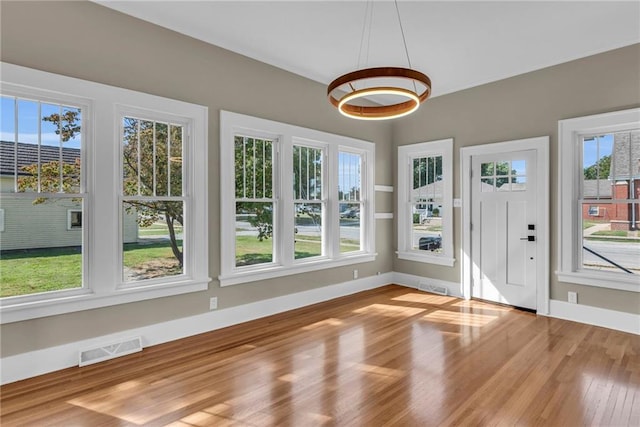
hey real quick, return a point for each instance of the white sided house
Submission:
(53, 223)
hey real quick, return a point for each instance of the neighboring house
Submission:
(623, 183)
(25, 225)
(427, 198)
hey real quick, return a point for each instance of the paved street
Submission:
(626, 254)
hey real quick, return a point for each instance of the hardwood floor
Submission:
(388, 357)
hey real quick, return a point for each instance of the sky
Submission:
(28, 121)
(595, 148)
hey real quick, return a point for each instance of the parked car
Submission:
(350, 213)
(430, 243)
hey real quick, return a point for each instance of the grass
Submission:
(25, 272)
(157, 229)
(612, 233)
(31, 271)
(40, 270)
(250, 251)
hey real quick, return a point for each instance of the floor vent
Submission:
(111, 351)
(434, 289)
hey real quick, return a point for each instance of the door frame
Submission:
(541, 146)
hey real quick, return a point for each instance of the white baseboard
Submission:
(618, 320)
(31, 364)
(38, 362)
(410, 280)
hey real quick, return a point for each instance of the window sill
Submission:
(429, 259)
(66, 303)
(303, 267)
(601, 280)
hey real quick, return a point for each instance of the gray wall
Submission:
(88, 41)
(526, 106)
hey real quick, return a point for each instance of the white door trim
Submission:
(541, 146)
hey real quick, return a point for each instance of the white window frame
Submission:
(570, 133)
(285, 136)
(102, 270)
(70, 212)
(406, 154)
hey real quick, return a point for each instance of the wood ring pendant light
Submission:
(379, 112)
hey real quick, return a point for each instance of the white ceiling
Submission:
(458, 44)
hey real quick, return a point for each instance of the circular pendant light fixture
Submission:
(409, 102)
(379, 93)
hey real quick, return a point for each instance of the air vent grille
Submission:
(110, 351)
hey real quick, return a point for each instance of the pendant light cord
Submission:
(404, 41)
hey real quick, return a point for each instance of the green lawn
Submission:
(249, 250)
(613, 233)
(40, 270)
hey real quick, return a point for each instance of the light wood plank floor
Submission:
(388, 357)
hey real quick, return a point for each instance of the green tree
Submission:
(501, 172)
(598, 170)
(148, 171)
(153, 170)
(426, 170)
(55, 176)
(254, 181)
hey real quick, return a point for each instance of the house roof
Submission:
(28, 155)
(592, 188)
(626, 155)
(431, 191)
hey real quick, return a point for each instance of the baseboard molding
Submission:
(33, 363)
(412, 281)
(618, 320)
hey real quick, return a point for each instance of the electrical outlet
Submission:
(355, 274)
(213, 303)
(572, 297)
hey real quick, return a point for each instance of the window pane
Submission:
(609, 237)
(151, 158)
(486, 169)
(308, 230)
(427, 226)
(349, 177)
(307, 173)
(253, 168)
(596, 160)
(486, 185)
(502, 168)
(175, 142)
(519, 167)
(152, 235)
(350, 227)
(39, 253)
(48, 147)
(254, 233)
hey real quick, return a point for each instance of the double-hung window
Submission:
(599, 198)
(302, 200)
(424, 202)
(104, 195)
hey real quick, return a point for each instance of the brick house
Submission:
(623, 184)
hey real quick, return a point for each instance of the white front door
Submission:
(504, 227)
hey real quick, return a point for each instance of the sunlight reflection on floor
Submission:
(390, 310)
(425, 298)
(463, 319)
